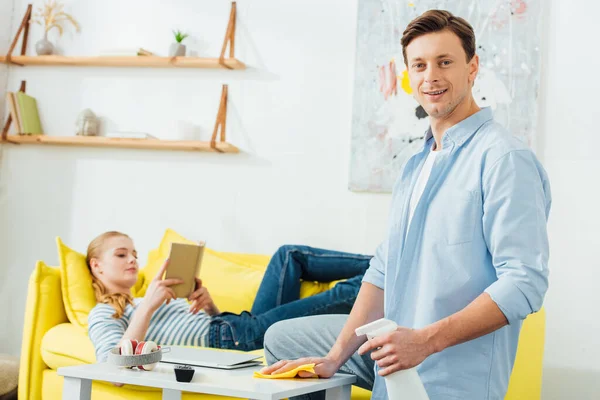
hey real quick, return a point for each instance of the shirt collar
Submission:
(461, 132)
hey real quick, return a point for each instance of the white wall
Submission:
(569, 143)
(291, 114)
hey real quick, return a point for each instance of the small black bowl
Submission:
(184, 373)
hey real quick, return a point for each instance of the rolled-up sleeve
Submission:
(375, 274)
(516, 203)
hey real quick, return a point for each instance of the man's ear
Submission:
(473, 68)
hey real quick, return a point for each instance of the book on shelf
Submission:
(143, 52)
(24, 112)
(126, 52)
(12, 107)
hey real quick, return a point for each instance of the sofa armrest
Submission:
(44, 309)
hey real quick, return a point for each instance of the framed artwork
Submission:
(388, 124)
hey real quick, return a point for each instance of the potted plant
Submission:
(50, 16)
(177, 49)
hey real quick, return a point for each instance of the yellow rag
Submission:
(289, 374)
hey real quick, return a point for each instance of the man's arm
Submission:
(479, 318)
(516, 204)
(367, 308)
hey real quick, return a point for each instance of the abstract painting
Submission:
(388, 124)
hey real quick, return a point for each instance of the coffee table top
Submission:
(234, 383)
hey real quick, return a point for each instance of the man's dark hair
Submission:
(436, 21)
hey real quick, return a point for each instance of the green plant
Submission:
(179, 36)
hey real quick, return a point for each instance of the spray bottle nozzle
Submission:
(376, 328)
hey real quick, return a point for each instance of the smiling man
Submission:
(465, 257)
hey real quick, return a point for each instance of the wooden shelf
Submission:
(126, 61)
(217, 142)
(100, 141)
(222, 61)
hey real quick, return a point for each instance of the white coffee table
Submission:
(236, 383)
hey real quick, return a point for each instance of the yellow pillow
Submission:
(76, 283)
(233, 279)
(232, 284)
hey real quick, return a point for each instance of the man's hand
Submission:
(402, 349)
(324, 367)
(201, 300)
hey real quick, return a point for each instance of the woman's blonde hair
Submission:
(117, 300)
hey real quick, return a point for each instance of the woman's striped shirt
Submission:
(171, 324)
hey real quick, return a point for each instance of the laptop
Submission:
(210, 358)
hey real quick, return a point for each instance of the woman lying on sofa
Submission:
(161, 317)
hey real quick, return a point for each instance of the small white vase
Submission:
(177, 50)
(44, 47)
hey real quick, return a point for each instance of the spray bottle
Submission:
(405, 384)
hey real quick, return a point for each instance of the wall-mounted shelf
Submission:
(100, 141)
(125, 61)
(217, 142)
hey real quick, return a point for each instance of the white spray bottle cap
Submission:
(376, 328)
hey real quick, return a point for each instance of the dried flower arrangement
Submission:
(52, 16)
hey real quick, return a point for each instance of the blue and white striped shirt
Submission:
(171, 324)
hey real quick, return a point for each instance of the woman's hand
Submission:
(201, 299)
(159, 290)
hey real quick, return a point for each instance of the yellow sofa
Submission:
(59, 298)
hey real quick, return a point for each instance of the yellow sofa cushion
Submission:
(65, 345)
(76, 282)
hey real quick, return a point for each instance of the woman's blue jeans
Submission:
(278, 296)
